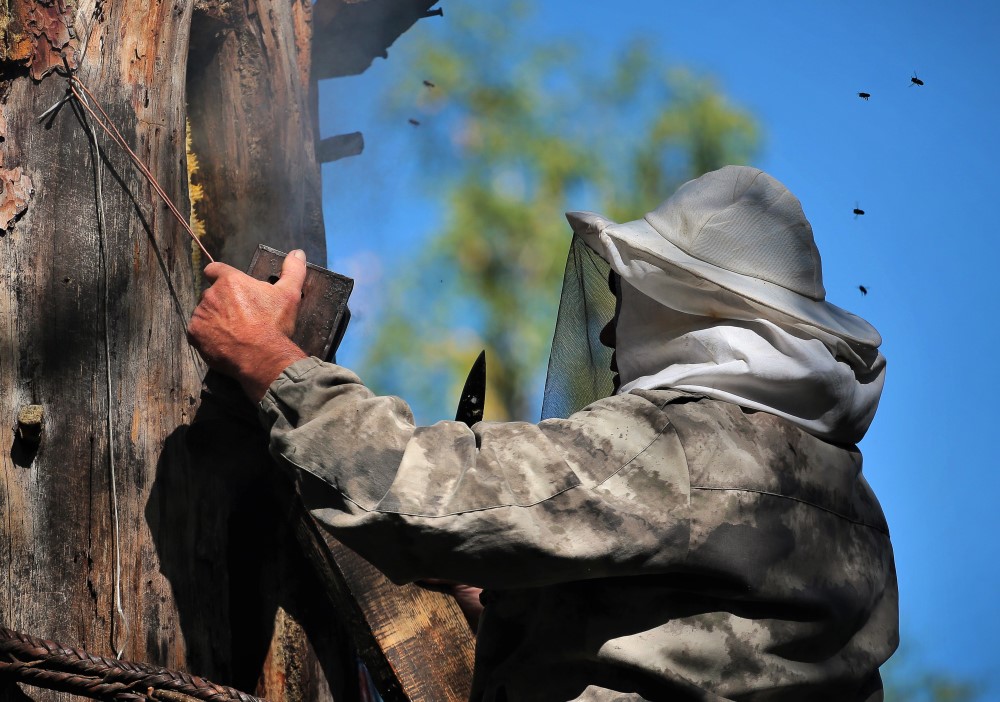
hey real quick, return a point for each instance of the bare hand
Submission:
(467, 597)
(242, 327)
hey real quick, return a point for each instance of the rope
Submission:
(116, 642)
(51, 665)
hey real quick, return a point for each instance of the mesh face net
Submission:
(579, 364)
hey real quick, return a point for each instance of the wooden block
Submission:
(323, 314)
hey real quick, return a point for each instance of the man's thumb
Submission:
(293, 272)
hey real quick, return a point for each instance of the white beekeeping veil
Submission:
(722, 295)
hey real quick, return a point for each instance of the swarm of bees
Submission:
(427, 84)
(914, 80)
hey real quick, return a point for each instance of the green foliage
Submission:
(517, 132)
(907, 681)
(934, 688)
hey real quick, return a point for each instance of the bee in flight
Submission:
(863, 289)
(864, 96)
(915, 81)
(857, 211)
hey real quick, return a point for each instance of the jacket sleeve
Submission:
(500, 504)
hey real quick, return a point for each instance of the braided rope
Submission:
(54, 666)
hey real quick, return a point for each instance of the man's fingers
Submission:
(215, 270)
(293, 272)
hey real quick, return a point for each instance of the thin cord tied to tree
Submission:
(88, 102)
(86, 98)
(48, 664)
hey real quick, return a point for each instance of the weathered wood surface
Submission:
(253, 129)
(206, 585)
(420, 646)
(56, 541)
(252, 105)
(212, 581)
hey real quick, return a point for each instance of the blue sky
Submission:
(921, 161)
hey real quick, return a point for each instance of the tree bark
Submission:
(98, 386)
(252, 108)
(62, 303)
(188, 552)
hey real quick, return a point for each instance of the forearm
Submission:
(263, 367)
(499, 505)
(324, 421)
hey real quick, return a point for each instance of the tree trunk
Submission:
(78, 327)
(252, 107)
(102, 471)
(252, 166)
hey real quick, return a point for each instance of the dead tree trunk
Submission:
(254, 176)
(217, 97)
(78, 327)
(89, 313)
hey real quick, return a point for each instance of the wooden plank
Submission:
(340, 146)
(421, 635)
(416, 642)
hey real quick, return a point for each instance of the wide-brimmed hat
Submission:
(738, 228)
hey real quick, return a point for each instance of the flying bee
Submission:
(915, 81)
(415, 123)
(429, 84)
(857, 210)
(864, 96)
(863, 289)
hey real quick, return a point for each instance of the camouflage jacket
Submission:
(654, 546)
